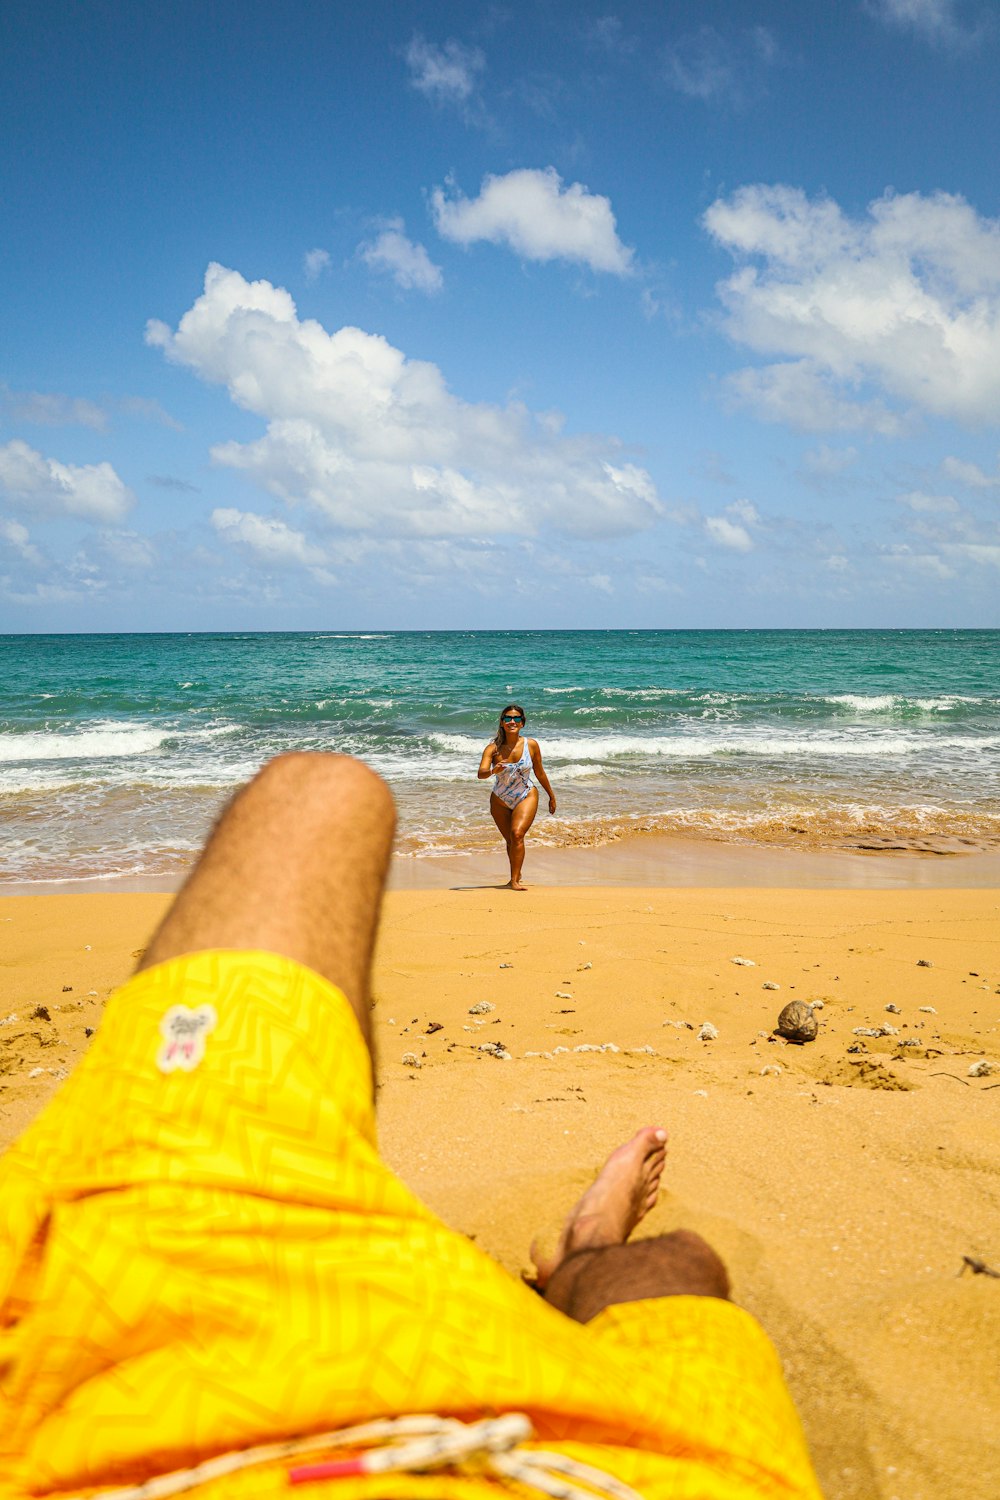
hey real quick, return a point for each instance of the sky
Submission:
(457, 316)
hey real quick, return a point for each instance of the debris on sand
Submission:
(796, 1023)
(481, 1008)
(41, 1013)
(924, 963)
(495, 1049)
(928, 1010)
(983, 1068)
(411, 1060)
(708, 1032)
(893, 1010)
(433, 1026)
(746, 963)
(769, 984)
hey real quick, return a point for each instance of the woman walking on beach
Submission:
(514, 801)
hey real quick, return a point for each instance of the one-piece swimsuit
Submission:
(513, 780)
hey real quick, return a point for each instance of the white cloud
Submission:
(745, 511)
(919, 562)
(129, 549)
(827, 462)
(19, 538)
(314, 263)
(987, 554)
(50, 409)
(797, 395)
(148, 409)
(728, 533)
(267, 538)
(969, 474)
(92, 491)
(936, 20)
(407, 263)
(929, 505)
(906, 299)
(531, 211)
(714, 68)
(446, 75)
(377, 442)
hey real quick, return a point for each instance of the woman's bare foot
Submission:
(623, 1192)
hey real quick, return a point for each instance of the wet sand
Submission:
(843, 1180)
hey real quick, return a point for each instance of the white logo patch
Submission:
(184, 1031)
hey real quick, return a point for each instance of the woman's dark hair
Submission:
(501, 734)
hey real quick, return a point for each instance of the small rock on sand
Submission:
(481, 1008)
(708, 1032)
(769, 984)
(924, 963)
(796, 1023)
(983, 1068)
(411, 1060)
(893, 1010)
(746, 963)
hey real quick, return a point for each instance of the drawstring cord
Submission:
(415, 1445)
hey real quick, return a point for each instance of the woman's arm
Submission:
(488, 761)
(539, 770)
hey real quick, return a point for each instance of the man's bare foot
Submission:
(623, 1192)
(516, 885)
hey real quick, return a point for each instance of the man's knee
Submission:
(304, 773)
(693, 1258)
(680, 1264)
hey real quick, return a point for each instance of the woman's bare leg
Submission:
(296, 866)
(502, 816)
(522, 817)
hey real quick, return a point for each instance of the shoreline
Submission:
(646, 860)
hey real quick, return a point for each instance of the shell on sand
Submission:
(796, 1023)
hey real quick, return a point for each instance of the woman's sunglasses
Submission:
(512, 719)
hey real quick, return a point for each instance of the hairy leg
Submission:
(522, 817)
(594, 1267)
(296, 866)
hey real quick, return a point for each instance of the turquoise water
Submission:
(117, 751)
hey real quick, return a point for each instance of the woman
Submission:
(514, 801)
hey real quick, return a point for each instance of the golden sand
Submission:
(843, 1187)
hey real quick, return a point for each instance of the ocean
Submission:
(118, 751)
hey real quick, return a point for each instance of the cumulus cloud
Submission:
(825, 462)
(929, 505)
(407, 263)
(34, 483)
(969, 474)
(446, 75)
(267, 538)
(51, 409)
(713, 68)
(128, 549)
(906, 300)
(314, 263)
(798, 394)
(936, 20)
(377, 443)
(18, 537)
(532, 212)
(731, 530)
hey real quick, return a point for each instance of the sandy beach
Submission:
(843, 1180)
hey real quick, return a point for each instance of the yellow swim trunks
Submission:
(201, 1251)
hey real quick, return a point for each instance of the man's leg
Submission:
(295, 866)
(594, 1267)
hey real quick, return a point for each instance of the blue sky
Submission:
(548, 315)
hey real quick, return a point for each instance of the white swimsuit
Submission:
(513, 781)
